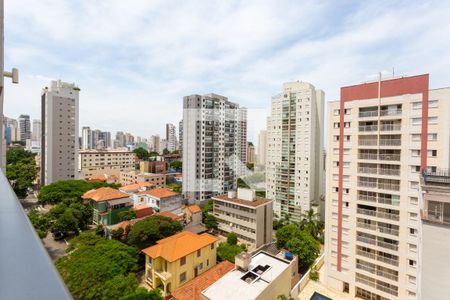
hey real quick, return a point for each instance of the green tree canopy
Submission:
(141, 153)
(211, 222)
(145, 233)
(286, 233)
(143, 294)
(40, 222)
(92, 262)
(306, 247)
(176, 164)
(119, 286)
(232, 238)
(20, 170)
(128, 214)
(166, 151)
(226, 251)
(15, 155)
(67, 190)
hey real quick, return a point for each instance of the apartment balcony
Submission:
(389, 186)
(367, 170)
(368, 128)
(369, 198)
(164, 275)
(28, 271)
(390, 127)
(369, 184)
(367, 142)
(374, 270)
(374, 284)
(390, 142)
(368, 114)
(378, 214)
(384, 113)
(377, 228)
(389, 261)
(389, 171)
(368, 156)
(389, 157)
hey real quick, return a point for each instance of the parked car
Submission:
(58, 235)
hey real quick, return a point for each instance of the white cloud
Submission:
(134, 61)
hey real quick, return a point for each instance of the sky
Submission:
(135, 60)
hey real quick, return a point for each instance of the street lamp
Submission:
(14, 75)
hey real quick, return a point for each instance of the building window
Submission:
(432, 153)
(417, 121)
(199, 252)
(432, 120)
(416, 137)
(417, 105)
(415, 153)
(432, 136)
(432, 103)
(212, 246)
(183, 277)
(200, 267)
(336, 112)
(183, 261)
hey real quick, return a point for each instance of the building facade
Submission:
(175, 260)
(36, 133)
(243, 213)
(262, 148)
(59, 143)
(250, 153)
(171, 137)
(212, 146)
(294, 149)
(159, 199)
(24, 127)
(158, 180)
(381, 135)
(101, 162)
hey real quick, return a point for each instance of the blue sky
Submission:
(135, 60)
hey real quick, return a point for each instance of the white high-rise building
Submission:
(59, 146)
(294, 150)
(262, 142)
(381, 136)
(212, 131)
(36, 133)
(180, 136)
(24, 127)
(171, 137)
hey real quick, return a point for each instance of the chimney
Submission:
(242, 261)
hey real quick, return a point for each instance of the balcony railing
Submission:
(378, 272)
(368, 128)
(367, 170)
(381, 258)
(390, 112)
(371, 184)
(390, 172)
(390, 157)
(28, 271)
(367, 198)
(389, 186)
(367, 114)
(391, 127)
(391, 142)
(367, 142)
(372, 156)
(391, 291)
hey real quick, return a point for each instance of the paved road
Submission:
(55, 249)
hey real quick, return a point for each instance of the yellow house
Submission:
(175, 260)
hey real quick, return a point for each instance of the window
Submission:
(432, 136)
(199, 252)
(417, 105)
(412, 263)
(200, 266)
(347, 111)
(432, 103)
(212, 246)
(183, 277)
(336, 112)
(417, 121)
(432, 153)
(415, 153)
(183, 261)
(432, 120)
(207, 262)
(415, 169)
(416, 137)
(336, 125)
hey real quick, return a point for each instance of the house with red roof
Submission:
(159, 199)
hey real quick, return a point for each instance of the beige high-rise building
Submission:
(294, 150)
(262, 148)
(250, 153)
(59, 144)
(381, 135)
(171, 137)
(103, 162)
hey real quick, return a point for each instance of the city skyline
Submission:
(244, 60)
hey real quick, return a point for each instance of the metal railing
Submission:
(390, 112)
(372, 156)
(390, 142)
(368, 128)
(389, 186)
(390, 157)
(391, 172)
(381, 258)
(373, 270)
(367, 142)
(367, 170)
(29, 271)
(372, 184)
(367, 198)
(366, 114)
(390, 127)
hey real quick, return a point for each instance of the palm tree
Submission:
(311, 223)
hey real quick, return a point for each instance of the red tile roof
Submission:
(192, 289)
(179, 245)
(104, 194)
(194, 208)
(136, 186)
(159, 193)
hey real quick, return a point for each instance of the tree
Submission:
(143, 294)
(228, 252)
(146, 232)
(166, 151)
(119, 286)
(311, 223)
(40, 222)
(141, 153)
(241, 184)
(176, 164)
(232, 238)
(211, 222)
(314, 274)
(207, 208)
(286, 233)
(127, 215)
(68, 190)
(306, 247)
(21, 173)
(15, 155)
(66, 222)
(92, 262)
(153, 154)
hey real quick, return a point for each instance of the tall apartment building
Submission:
(101, 162)
(294, 149)
(120, 138)
(262, 148)
(180, 136)
(156, 143)
(250, 153)
(86, 138)
(171, 137)
(59, 144)
(434, 233)
(381, 135)
(243, 213)
(24, 127)
(14, 130)
(36, 133)
(105, 136)
(243, 140)
(212, 146)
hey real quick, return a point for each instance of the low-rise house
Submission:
(158, 180)
(193, 214)
(175, 260)
(107, 203)
(159, 199)
(103, 178)
(249, 216)
(168, 214)
(262, 276)
(192, 289)
(136, 187)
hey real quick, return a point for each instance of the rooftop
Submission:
(104, 194)
(135, 186)
(263, 269)
(159, 193)
(169, 214)
(255, 203)
(193, 288)
(194, 208)
(179, 245)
